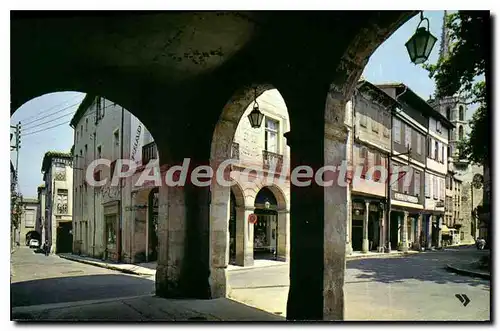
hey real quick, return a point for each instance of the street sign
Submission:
(252, 218)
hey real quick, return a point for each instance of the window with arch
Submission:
(460, 132)
(448, 113)
(461, 113)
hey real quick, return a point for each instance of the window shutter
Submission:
(378, 162)
(427, 185)
(431, 147)
(416, 183)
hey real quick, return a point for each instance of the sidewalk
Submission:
(471, 266)
(144, 308)
(148, 269)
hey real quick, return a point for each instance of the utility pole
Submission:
(17, 144)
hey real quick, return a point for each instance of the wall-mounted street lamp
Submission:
(255, 117)
(420, 45)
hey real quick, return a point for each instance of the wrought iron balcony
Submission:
(235, 151)
(149, 152)
(272, 161)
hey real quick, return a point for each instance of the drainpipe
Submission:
(120, 248)
(93, 191)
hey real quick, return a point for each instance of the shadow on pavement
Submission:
(77, 288)
(427, 266)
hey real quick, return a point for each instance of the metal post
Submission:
(18, 138)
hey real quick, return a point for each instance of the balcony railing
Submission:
(272, 161)
(149, 152)
(235, 151)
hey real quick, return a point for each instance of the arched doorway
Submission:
(271, 232)
(265, 241)
(152, 225)
(32, 235)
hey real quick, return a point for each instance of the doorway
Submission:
(265, 231)
(266, 234)
(64, 238)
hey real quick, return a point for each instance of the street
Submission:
(37, 279)
(416, 287)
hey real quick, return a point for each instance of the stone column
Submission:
(348, 245)
(283, 253)
(365, 243)
(418, 239)
(183, 250)
(381, 232)
(440, 233)
(318, 213)
(244, 247)
(404, 232)
(429, 231)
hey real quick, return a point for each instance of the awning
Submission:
(445, 229)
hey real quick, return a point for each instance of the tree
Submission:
(463, 72)
(16, 208)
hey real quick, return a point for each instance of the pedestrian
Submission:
(47, 247)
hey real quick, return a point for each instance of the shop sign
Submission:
(358, 205)
(406, 198)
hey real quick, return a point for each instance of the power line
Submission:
(38, 125)
(44, 111)
(54, 126)
(58, 111)
(51, 127)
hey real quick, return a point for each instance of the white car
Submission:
(34, 243)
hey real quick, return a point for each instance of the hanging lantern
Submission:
(267, 205)
(255, 117)
(420, 45)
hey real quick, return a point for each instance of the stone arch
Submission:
(239, 196)
(461, 114)
(460, 132)
(33, 235)
(279, 194)
(448, 113)
(221, 150)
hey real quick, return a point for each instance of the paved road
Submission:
(37, 279)
(415, 287)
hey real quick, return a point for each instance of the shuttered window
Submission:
(427, 186)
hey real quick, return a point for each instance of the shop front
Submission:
(367, 224)
(407, 222)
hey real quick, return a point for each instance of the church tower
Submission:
(460, 172)
(453, 108)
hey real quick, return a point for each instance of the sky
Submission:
(389, 63)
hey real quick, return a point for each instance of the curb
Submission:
(104, 265)
(348, 258)
(468, 272)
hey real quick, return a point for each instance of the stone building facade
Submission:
(105, 131)
(368, 119)
(263, 154)
(29, 227)
(57, 168)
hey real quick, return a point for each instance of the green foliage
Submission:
(16, 206)
(457, 74)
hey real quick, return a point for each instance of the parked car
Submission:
(34, 243)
